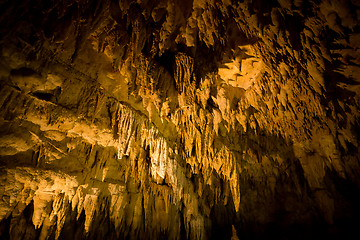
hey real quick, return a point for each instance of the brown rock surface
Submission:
(179, 119)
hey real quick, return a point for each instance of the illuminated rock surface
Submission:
(179, 119)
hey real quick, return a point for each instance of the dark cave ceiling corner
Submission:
(179, 119)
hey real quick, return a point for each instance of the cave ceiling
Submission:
(203, 119)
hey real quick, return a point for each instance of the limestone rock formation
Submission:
(185, 119)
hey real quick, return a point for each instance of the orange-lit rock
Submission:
(179, 119)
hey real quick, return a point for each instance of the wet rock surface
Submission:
(179, 119)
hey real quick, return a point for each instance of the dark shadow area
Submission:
(167, 60)
(336, 94)
(23, 72)
(223, 214)
(46, 96)
(19, 227)
(295, 25)
(346, 195)
(206, 59)
(73, 228)
(291, 211)
(5, 227)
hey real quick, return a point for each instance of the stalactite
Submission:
(179, 119)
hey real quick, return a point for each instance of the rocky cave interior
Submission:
(179, 119)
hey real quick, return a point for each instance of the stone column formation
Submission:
(185, 119)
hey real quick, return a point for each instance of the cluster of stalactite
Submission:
(179, 119)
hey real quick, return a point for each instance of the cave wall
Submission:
(179, 119)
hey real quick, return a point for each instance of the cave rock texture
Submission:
(185, 119)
